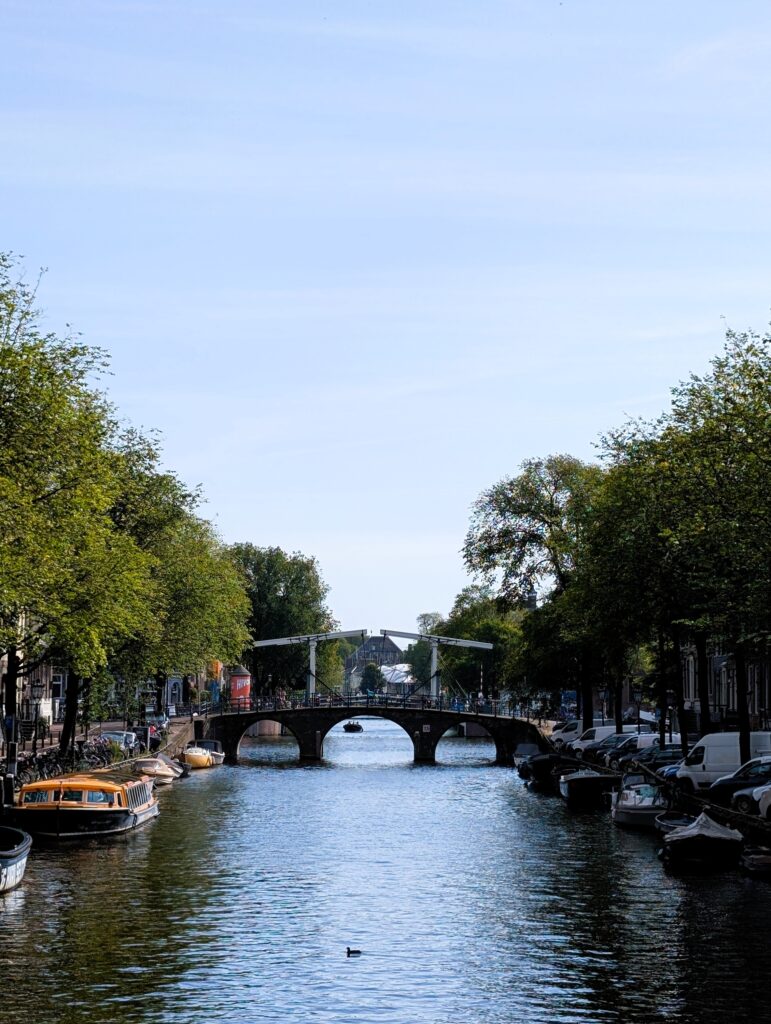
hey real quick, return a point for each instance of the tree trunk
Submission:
(618, 693)
(742, 709)
(661, 688)
(677, 686)
(11, 687)
(67, 737)
(702, 677)
(587, 699)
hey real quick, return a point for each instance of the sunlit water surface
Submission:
(472, 899)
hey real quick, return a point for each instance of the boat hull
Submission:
(80, 823)
(198, 758)
(701, 854)
(586, 790)
(14, 849)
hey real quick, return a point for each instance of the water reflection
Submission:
(471, 898)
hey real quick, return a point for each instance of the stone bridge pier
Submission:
(309, 726)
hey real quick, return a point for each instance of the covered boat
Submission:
(14, 847)
(161, 773)
(78, 806)
(703, 844)
(180, 770)
(586, 788)
(637, 805)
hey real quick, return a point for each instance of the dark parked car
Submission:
(753, 773)
(747, 801)
(596, 751)
(652, 757)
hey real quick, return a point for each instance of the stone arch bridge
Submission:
(425, 722)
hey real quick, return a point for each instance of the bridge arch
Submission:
(267, 742)
(487, 735)
(424, 725)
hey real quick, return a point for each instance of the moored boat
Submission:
(637, 805)
(756, 861)
(214, 747)
(180, 769)
(586, 788)
(540, 768)
(161, 773)
(197, 757)
(703, 844)
(670, 820)
(79, 806)
(14, 848)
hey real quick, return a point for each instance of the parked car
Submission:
(598, 732)
(753, 773)
(570, 731)
(128, 741)
(652, 757)
(747, 801)
(599, 749)
(764, 803)
(717, 755)
(637, 741)
(668, 772)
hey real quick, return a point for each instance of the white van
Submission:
(570, 730)
(599, 732)
(716, 755)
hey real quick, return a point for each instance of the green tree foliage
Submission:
(69, 582)
(477, 614)
(526, 530)
(527, 534)
(287, 598)
(102, 559)
(371, 678)
(701, 475)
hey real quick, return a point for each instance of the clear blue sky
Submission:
(356, 261)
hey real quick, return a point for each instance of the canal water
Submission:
(472, 899)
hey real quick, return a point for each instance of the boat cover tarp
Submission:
(703, 826)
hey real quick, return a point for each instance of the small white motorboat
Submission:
(638, 805)
(154, 768)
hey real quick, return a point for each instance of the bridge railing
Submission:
(360, 703)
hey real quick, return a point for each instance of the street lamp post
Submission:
(670, 711)
(637, 696)
(36, 689)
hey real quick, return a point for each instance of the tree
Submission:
(287, 597)
(200, 607)
(69, 583)
(526, 535)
